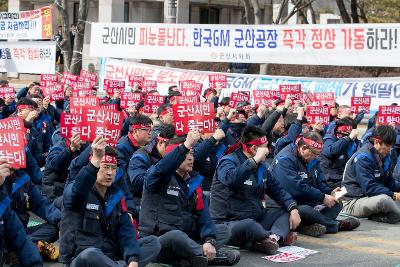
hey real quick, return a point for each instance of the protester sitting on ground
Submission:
(32, 89)
(238, 189)
(233, 126)
(339, 146)
(165, 114)
(12, 233)
(298, 171)
(26, 199)
(368, 178)
(96, 229)
(174, 208)
(61, 105)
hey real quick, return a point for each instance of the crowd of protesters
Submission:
(262, 177)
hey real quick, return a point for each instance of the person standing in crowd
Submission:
(300, 174)
(96, 229)
(368, 177)
(238, 189)
(236, 67)
(58, 38)
(175, 209)
(72, 33)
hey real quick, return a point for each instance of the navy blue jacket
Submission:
(23, 92)
(13, 234)
(125, 150)
(304, 181)
(27, 198)
(32, 168)
(35, 144)
(232, 131)
(294, 131)
(334, 156)
(195, 223)
(120, 178)
(367, 175)
(239, 187)
(8, 110)
(255, 121)
(91, 221)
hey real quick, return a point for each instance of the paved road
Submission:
(372, 244)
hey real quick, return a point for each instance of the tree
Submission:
(3, 5)
(382, 11)
(343, 11)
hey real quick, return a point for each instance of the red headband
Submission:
(172, 98)
(344, 128)
(313, 144)
(208, 93)
(25, 106)
(162, 139)
(169, 148)
(245, 108)
(109, 159)
(258, 142)
(165, 111)
(141, 126)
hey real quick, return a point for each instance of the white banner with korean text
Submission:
(306, 44)
(36, 57)
(383, 91)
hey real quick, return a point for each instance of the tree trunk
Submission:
(363, 17)
(343, 12)
(66, 47)
(280, 12)
(354, 13)
(76, 63)
(269, 12)
(303, 17)
(247, 12)
(257, 12)
(313, 16)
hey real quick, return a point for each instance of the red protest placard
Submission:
(389, 115)
(236, 98)
(359, 104)
(48, 79)
(190, 116)
(70, 124)
(129, 99)
(153, 102)
(134, 80)
(318, 114)
(190, 88)
(217, 80)
(187, 99)
(110, 106)
(68, 78)
(308, 98)
(82, 102)
(7, 92)
(12, 123)
(80, 89)
(54, 92)
(293, 91)
(148, 85)
(86, 81)
(12, 148)
(110, 86)
(265, 97)
(326, 98)
(101, 122)
(87, 74)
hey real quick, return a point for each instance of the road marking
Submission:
(340, 244)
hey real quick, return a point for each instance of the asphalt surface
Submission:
(372, 244)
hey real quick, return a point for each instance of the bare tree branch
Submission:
(296, 8)
(257, 12)
(247, 13)
(76, 64)
(66, 45)
(280, 12)
(354, 13)
(343, 12)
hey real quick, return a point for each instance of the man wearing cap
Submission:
(138, 136)
(339, 146)
(175, 209)
(96, 229)
(372, 191)
(298, 171)
(237, 193)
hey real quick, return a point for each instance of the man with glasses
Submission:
(372, 190)
(138, 136)
(298, 170)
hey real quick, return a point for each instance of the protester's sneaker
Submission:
(268, 246)
(385, 218)
(348, 224)
(290, 239)
(48, 251)
(226, 257)
(314, 230)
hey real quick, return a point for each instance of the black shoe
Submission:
(268, 246)
(385, 218)
(226, 257)
(348, 224)
(314, 230)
